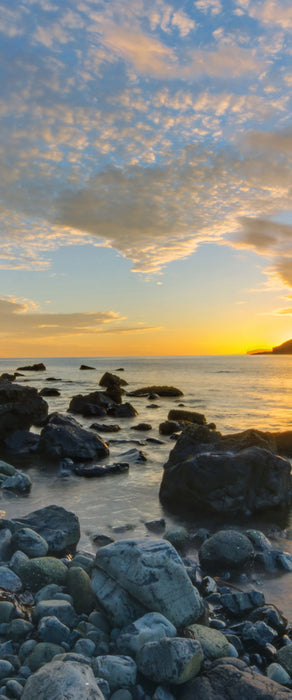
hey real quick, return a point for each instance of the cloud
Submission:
(264, 235)
(273, 13)
(184, 23)
(214, 6)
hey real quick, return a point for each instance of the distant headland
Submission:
(283, 349)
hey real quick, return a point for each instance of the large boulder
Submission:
(243, 482)
(227, 550)
(108, 379)
(64, 437)
(20, 408)
(95, 403)
(152, 573)
(57, 679)
(228, 678)
(59, 527)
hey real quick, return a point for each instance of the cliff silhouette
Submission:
(283, 349)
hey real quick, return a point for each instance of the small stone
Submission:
(119, 671)
(150, 627)
(50, 629)
(18, 629)
(6, 668)
(9, 580)
(30, 542)
(61, 609)
(214, 643)
(14, 688)
(42, 654)
(79, 586)
(85, 647)
(173, 661)
(121, 694)
(40, 571)
(277, 673)
(285, 658)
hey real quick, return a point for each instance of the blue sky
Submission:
(145, 176)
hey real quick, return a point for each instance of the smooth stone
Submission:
(178, 537)
(64, 437)
(5, 544)
(122, 694)
(6, 668)
(85, 647)
(19, 483)
(61, 609)
(231, 678)
(259, 540)
(79, 587)
(257, 634)
(18, 629)
(150, 627)
(152, 572)
(25, 649)
(157, 526)
(272, 616)
(6, 468)
(173, 661)
(278, 674)
(42, 653)
(59, 527)
(240, 604)
(118, 671)
(30, 542)
(14, 688)
(60, 680)
(10, 580)
(84, 560)
(227, 550)
(285, 658)
(40, 571)
(163, 693)
(16, 561)
(6, 611)
(51, 629)
(213, 642)
(48, 592)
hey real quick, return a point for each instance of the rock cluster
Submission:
(134, 622)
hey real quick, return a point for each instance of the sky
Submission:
(146, 177)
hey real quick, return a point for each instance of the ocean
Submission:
(235, 392)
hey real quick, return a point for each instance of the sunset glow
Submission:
(146, 177)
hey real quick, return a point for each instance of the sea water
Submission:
(235, 392)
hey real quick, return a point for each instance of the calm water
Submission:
(235, 392)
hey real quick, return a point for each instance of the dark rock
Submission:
(22, 442)
(80, 402)
(168, 427)
(228, 679)
(20, 408)
(6, 377)
(53, 379)
(255, 635)
(155, 441)
(103, 428)
(91, 409)
(109, 380)
(59, 527)
(86, 367)
(115, 393)
(189, 416)
(126, 410)
(271, 616)
(142, 426)
(159, 390)
(134, 456)
(38, 367)
(91, 470)
(227, 550)
(284, 442)
(49, 392)
(241, 604)
(157, 526)
(244, 482)
(64, 437)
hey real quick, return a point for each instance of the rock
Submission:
(59, 527)
(38, 367)
(63, 438)
(231, 678)
(152, 572)
(227, 550)
(41, 571)
(6, 668)
(244, 482)
(97, 470)
(213, 642)
(283, 442)
(21, 442)
(285, 658)
(18, 483)
(118, 671)
(79, 587)
(134, 456)
(30, 542)
(239, 604)
(142, 426)
(159, 390)
(87, 403)
(5, 544)
(48, 391)
(173, 661)
(61, 609)
(272, 616)
(109, 379)
(125, 410)
(86, 367)
(168, 427)
(157, 526)
(178, 414)
(10, 580)
(42, 654)
(52, 630)
(277, 673)
(18, 630)
(103, 428)
(178, 537)
(74, 680)
(20, 408)
(121, 608)
(150, 627)
(259, 540)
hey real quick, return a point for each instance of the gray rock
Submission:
(85, 647)
(277, 673)
(178, 537)
(42, 653)
(10, 580)
(36, 573)
(30, 542)
(79, 587)
(285, 658)
(57, 679)
(231, 678)
(16, 561)
(6, 611)
(51, 629)
(48, 592)
(173, 661)
(118, 671)
(152, 572)
(213, 642)
(227, 550)
(66, 438)
(6, 668)
(5, 544)
(121, 694)
(18, 483)
(18, 630)
(14, 688)
(120, 607)
(61, 609)
(150, 627)
(59, 527)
